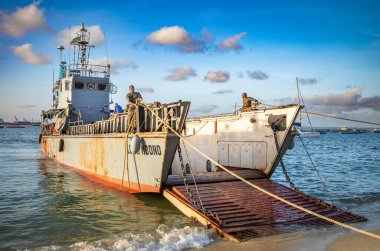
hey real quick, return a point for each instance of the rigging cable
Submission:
(307, 152)
(332, 116)
(105, 42)
(317, 171)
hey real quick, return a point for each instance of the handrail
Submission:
(174, 114)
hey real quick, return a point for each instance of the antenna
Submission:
(105, 41)
(53, 89)
(299, 99)
(69, 48)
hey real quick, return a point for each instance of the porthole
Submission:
(91, 86)
(79, 85)
(102, 87)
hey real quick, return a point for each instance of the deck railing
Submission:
(144, 120)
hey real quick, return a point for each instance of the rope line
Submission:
(347, 119)
(265, 191)
(332, 116)
(126, 162)
(317, 171)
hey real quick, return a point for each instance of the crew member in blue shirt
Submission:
(118, 109)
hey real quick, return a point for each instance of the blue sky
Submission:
(207, 52)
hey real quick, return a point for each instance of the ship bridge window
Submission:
(102, 87)
(67, 85)
(79, 85)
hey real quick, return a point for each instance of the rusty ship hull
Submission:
(109, 160)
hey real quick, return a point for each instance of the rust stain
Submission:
(92, 156)
(44, 146)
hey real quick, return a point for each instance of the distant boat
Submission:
(306, 134)
(375, 130)
(346, 130)
(15, 126)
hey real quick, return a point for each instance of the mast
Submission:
(82, 40)
(299, 98)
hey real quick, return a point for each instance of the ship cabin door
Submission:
(252, 155)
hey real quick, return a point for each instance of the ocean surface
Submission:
(44, 205)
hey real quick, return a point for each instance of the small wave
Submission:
(164, 238)
(362, 199)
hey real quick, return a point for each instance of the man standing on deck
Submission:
(133, 98)
(247, 103)
(118, 109)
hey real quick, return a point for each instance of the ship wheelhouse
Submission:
(82, 91)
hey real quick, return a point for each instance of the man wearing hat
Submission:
(133, 98)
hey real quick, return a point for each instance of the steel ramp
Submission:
(246, 213)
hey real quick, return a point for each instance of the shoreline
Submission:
(338, 240)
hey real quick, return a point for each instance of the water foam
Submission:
(164, 238)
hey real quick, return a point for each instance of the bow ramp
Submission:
(239, 212)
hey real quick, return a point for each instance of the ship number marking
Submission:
(147, 150)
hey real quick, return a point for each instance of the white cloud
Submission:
(232, 43)
(179, 38)
(67, 35)
(217, 76)
(145, 89)
(181, 73)
(258, 74)
(116, 64)
(173, 35)
(348, 101)
(28, 56)
(22, 20)
(223, 91)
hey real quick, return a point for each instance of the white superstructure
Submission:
(240, 141)
(82, 88)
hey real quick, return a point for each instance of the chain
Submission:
(281, 162)
(199, 206)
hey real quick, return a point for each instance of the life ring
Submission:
(61, 145)
(91, 86)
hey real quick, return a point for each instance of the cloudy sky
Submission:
(207, 52)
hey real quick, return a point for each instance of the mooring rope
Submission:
(262, 189)
(332, 116)
(126, 162)
(317, 171)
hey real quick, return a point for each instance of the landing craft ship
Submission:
(142, 152)
(80, 132)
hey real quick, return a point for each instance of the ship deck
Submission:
(246, 213)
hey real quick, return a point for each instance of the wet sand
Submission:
(313, 241)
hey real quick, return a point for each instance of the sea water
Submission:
(44, 205)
